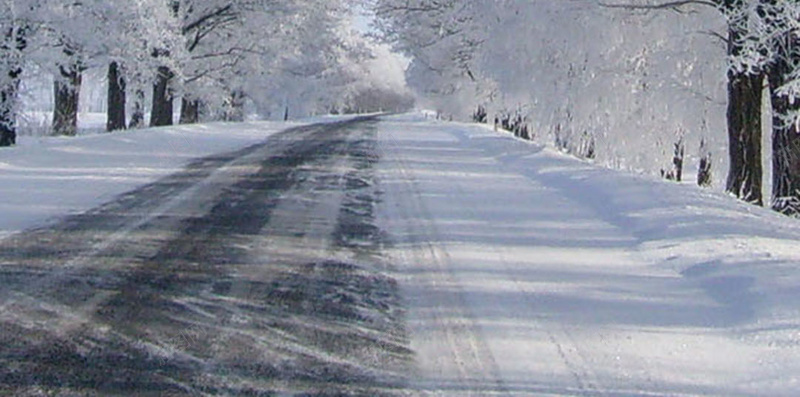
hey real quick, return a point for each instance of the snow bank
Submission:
(583, 280)
(42, 179)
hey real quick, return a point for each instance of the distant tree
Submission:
(162, 109)
(116, 98)
(676, 172)
(218, 56)
(14, 42)
(17, 25)
(704, 168)
(585, 49)
(67, 86)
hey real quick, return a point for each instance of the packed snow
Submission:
(530, 272)
(44, 178)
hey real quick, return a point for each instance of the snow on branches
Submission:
(215, 56)
(626, 72)
(627, 78)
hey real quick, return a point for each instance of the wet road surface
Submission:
(257, 272)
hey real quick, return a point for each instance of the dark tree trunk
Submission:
(9, 91)
(744, 123)
(785, 147)
(744, 136)
(162, 109)
(67, 94)
(137, 114)
(161, 112)
(704, 169)
(9, 94)
(677, 159)
(116, 99)
(190, 111)
(785, 131)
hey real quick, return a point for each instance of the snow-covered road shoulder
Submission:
(42, 179)
(531, 272)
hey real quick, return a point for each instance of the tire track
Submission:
(202, 284)
(476, 371)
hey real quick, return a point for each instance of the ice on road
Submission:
(527, 272)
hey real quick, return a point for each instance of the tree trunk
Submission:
(162, 109)
(704, 169)
(744, 122)
(235, 110)
(9, 95)
(190, 111)
(744, 136)
(116, 99)
(9, 89)
(785, 147)
(137, 114)
(67, 94)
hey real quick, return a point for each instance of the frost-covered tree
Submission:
(65, 38)
(13, 43)
(585, 75)
(16, 27)
(67, 30)
(761, 45)
(632, 76)
(135, 32)
(215, 55)
(235, 46)
(315, 63)
(780, 39)
(443, 39)
(746, 75)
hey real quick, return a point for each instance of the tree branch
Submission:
(661, 6)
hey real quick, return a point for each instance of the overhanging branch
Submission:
(661, 6)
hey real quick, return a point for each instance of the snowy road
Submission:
(400, 256)
(248, 273)
(527, 272)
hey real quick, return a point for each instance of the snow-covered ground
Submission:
(530, 272)
(43, 178)
(524, 271)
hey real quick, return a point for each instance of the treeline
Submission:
(625, 80)
(203, 59)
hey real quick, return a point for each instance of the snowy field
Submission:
(44, 178)
(529, 272)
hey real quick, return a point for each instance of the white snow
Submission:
(530, 272)
(45, 178)
(525, 271)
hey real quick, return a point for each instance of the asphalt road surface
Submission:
(397, 256)
(258, 272)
